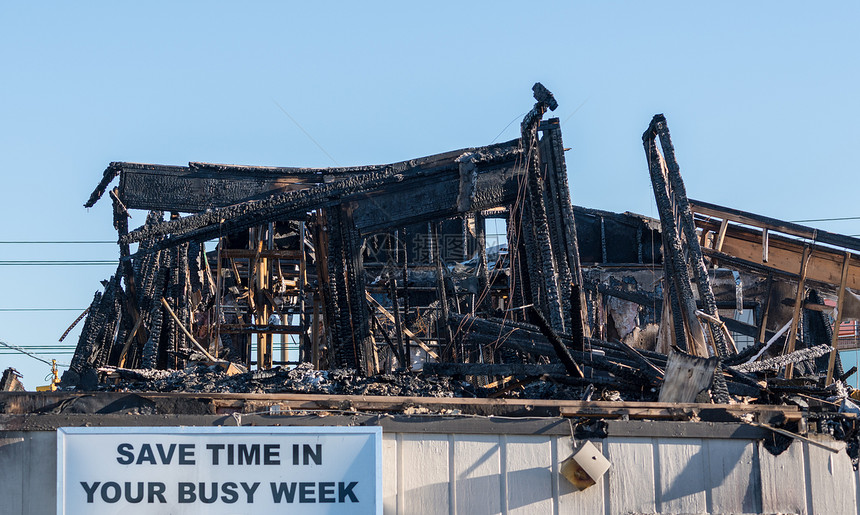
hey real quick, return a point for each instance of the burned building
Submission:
(379, 293)
(380, 268)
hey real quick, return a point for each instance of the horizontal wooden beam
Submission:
(198, 187)
(225, 403)
(764, 222)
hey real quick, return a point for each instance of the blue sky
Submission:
(762, 100)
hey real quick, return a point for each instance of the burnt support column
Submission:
(679, 193)
(346, 277)
(536, 207)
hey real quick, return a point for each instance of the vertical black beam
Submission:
(442, 327)
(537, 208)
(679, 194)
(675, 267)
(355, 318)
(555, 223)
(483, 272)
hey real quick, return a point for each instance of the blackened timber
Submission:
(556, 226)
(648, 368)
(435, 196)
(694, 251)
(533, 341)
(635, 238)
(497, 182)
(490, 369)
(560, 349)
(536, 207)
(675, 265)
(616, 367)
(355, 277)
(398, 325)
(443, 330)
(577, 312)
(201, 186)
(669, 285)
(243, 216)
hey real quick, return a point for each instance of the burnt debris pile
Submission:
(466, 273)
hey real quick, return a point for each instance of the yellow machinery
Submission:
(54, 381)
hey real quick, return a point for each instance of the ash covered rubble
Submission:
(303, 378)
(466, 273)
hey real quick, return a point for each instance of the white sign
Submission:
(219, 470)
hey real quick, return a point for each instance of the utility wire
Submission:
(9, 310)
(828, 219)
(306, 132)
(22, 351)
(58, 263)
(517, 117)
(80, 242)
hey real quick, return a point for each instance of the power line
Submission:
(828, 219)
(79, 242)
(7, 310)
(31, 354)
(58, 263)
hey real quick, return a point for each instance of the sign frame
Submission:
(373, 432)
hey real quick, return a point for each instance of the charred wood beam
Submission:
(355, 283)
(416, 199)
(634, 238)
(650, 299)
(560, 192)
(371, 189)
(250, 214)
(647, 367)
(577, 313)
(443, 331)
(616, 367)
(659, 128)
(556, 224)
(161, 187)
(560, 348)
(675, 266)
(530, 339)
(548, 274)
(489, 369)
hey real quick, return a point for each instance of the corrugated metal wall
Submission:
(487, 474)
(477, 474)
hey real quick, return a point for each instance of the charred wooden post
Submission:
(547, 273)
(484, 296)
(443, 332)
(347, 307)
(559, 194)
(404, 352)
(260, 284)
(694, 251)
(561, 350)
(798, 305)
(675, 265)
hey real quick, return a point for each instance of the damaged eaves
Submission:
(388, 270)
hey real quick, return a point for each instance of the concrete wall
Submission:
(503, 473)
